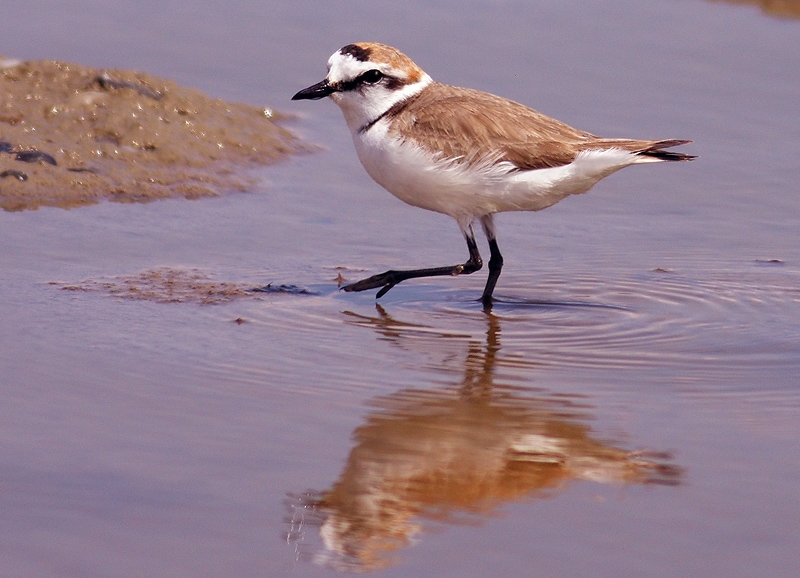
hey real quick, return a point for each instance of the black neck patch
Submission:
(393, 110)
(357, 52)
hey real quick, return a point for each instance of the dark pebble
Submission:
(12, 173)
(36, 156)
(5, 147)
(108, 83)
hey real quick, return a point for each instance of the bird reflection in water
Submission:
(453, 454)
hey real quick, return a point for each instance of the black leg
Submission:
(495, 260)
(389, 279)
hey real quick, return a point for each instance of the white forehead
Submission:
(343, 67)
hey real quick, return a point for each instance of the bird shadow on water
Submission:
(519, 303)
(474, 437)
(437, 297)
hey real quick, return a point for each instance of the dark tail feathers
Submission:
(654, 150)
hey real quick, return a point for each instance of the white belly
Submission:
(468, 191)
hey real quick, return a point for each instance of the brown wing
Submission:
(470, 125)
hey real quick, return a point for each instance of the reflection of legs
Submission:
(389, 279)
(495, 261)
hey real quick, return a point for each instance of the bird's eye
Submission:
(371, 76)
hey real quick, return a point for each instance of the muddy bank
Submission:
(778, 8)
(72, 135)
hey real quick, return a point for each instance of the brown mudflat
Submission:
(72, 135)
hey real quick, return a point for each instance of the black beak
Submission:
(319, 90)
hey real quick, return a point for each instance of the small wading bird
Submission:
(462, 152)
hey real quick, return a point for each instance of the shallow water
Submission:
(629, 408)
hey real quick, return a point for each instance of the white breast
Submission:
(468, 191)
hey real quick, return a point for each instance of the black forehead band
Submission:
(357, 52)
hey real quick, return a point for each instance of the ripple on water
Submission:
(712, 327)
(481, 376)
(650, 320)
(664, 319)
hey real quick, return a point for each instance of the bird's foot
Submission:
(386, 280)
(389, 279)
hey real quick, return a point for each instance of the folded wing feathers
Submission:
(469, 125)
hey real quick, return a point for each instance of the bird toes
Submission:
(384, 290)
(385, 280)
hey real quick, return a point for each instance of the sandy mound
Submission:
(72, 135)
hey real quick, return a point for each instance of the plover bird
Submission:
(462, 152)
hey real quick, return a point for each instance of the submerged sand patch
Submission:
(176, 285)
(71, 135)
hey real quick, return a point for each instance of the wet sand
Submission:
(71, 135)
(173, 285)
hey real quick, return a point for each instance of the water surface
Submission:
(629, 408)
